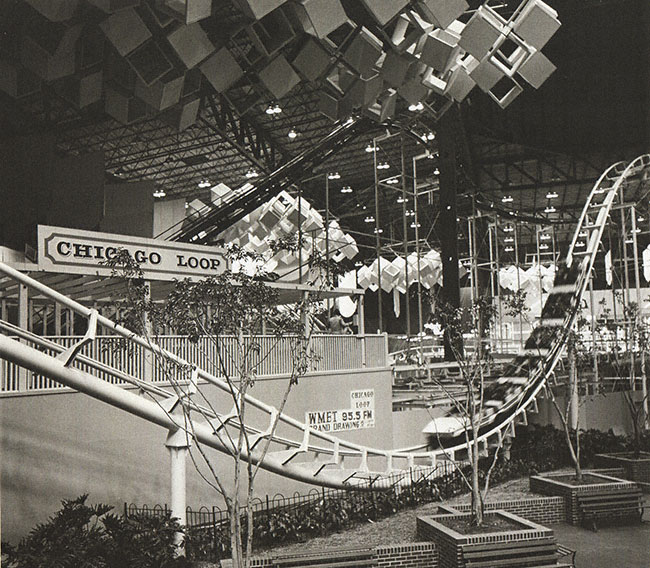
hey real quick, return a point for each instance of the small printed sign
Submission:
(360, 414)
(85, 252)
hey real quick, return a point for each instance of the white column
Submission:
(178, 445)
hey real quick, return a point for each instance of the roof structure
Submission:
(182, 92)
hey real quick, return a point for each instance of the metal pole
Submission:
(406, 243)
(637, 281)
(300, 233)
(377, 239)
(417, 254)
(178, 446)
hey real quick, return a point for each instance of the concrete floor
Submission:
(622, 546)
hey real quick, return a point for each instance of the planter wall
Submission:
(405, 555)
(549, 484)
(544, 510)
(450, 542)
(636, 469)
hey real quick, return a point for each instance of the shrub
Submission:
(87, 536)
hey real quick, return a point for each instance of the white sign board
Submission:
(360, 414)
(84, 252)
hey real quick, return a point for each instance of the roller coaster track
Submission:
(317, 457)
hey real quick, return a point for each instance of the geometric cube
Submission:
(509, 53)
(125, 30)
(191, 44)
(362, 53)
(183, 114)
(505, 91)
(441, 13)
(328, 105)
(536, 23)
(47, 66)
(123, 107)
(83, 89)
(320, 17)
(312, 60)
(271, 33)
(221, 70)
(163, 93)
(482, 31)
(383, 11)
(279, 77)
(459, 84)
(17, 81)
(187, 11)
(486, 74)
(149, 62)
(439, 49)
(394, 68)
(257, 9)
(414, 91)
(536, 69)
(55, 10)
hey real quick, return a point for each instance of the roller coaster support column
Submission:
(446, 224)
(178, 444)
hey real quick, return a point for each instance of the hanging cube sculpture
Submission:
(536, 23)
(536, 69)
(482, 31)
(441, 13)
(439, 49)
(279, 77)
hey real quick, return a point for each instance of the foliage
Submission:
(229, 310)
(88, 536)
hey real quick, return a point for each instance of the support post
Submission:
(23, 323)
(178, 445)
(446, 225)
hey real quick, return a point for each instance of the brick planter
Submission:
(549, 484)
(636, 469)
(449, 542)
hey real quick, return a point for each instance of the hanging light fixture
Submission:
(383, 166)
(392, 181)
(369, 219)
(550, 209)
(204, 183)
(378, 231)
(370, 148)
(252, 173)
(431, 136)
(401, 199)
(334, 175)
(159, 193)
(346, 189)
(292, 134)
(507, 199)
(580, 244)
(509, 240)
(415, 225)
(551, 195)
(508, 229)
(543, 246)
(416, 107)
(436, 172)
(508, 249)
(544, 236)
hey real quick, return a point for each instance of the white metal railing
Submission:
(273, 358)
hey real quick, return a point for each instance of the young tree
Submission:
(227, 312)
(636, 345)
(473, 363)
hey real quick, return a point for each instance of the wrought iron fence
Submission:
(281, 518)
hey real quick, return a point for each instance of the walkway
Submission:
(625, 546)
